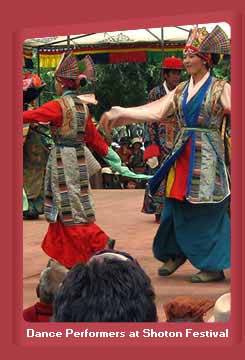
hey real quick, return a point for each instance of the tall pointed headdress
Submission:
(68, 67)
(87, 69)
(215, 42)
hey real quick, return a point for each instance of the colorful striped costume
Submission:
(198, 153)
(67, 173)
(195, 222)
(72, 235)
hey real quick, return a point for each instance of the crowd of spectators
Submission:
(131, 153)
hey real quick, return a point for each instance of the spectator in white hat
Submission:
(222, 309)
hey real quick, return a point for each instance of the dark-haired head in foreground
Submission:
(107, 289)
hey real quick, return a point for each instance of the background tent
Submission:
(143, 45)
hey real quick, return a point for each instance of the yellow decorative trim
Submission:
(170, 180)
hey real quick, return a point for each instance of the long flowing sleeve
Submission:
(114, 161)
(154, 111)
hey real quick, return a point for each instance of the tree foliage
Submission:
(222, 70)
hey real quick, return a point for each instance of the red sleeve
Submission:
(94, 140)
(49, 112)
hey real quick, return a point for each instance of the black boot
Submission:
(30, 215)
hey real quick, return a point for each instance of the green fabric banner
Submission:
(157, 56)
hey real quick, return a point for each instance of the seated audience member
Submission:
(187, 309)
(222, 309)
(50, 280)
(115, 146)
(124, 152)
(110, 287)
(111, 178)
(136, 161)
(129, 184)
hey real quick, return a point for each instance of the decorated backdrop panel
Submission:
(49, 58)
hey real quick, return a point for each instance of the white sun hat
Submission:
(222, 309)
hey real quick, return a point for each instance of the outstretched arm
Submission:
(153, 111)
(49, 112)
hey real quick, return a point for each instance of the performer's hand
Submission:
(109, 119)
(104, 123)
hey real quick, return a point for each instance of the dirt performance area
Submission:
(118, 213)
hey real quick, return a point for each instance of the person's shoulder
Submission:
(219, 84)
(220, 81)
(180, 86)
(152, 91)
(157, 92)
(51, 103)
(155, 88)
